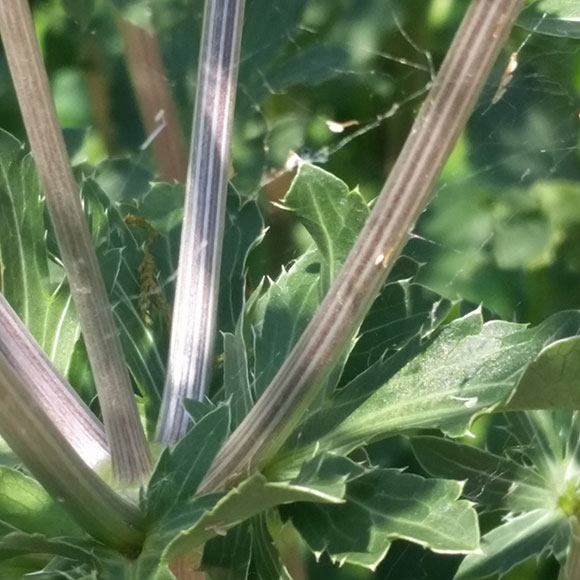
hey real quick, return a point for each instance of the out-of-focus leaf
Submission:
(312, 66)
(491, 481)
(25, 506)
(180, 470)
(515, 541)
(552, 381)
(553, 17)
(38, 295)
(383, 505)
(80, 11)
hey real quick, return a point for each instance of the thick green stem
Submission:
(194, 314)
(52, 460)
(129, 449)
(455, 90)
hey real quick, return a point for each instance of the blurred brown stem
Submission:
(155, 101)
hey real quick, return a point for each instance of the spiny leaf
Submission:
(383, 505)
(180, 470)
(491, 481)
(42, 302)
(518, 539)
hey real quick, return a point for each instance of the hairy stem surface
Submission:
(195, 311)
(129, 449)
(455, 89)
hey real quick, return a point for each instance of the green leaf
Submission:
(37, 294)
(162, 207)
(552, 381)
(332, 215)
(282, 314)
(192, 523)
(229, 558)
(120, 255)
(27, 507)
(237, 388)
(553, 17)
(180, 470)
(312, 66)
(383, 505)
(80, 11)
(519, 539)
(469, 369)
(266, 558)
(491, 481)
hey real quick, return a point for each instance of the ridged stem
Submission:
(195, 310)
(51, 459)
(129, 449)
(58, 400)
(443, 115)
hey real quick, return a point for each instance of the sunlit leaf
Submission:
(383, 505)
(517, 540)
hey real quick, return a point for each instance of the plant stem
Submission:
(129, 449)
(58, 400)
(455, 89)
(52, 460)
(155, 101)
(195, 310)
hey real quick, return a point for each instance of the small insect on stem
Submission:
(150, 294)
(506, 78)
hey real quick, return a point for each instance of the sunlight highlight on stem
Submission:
(195, 309)
(456, 87)
(129, 449)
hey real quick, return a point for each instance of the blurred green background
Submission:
(339, 82)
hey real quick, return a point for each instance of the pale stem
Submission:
(58, 400)
(52, 460)
(455, 90)
(129, 450)
(193, 327)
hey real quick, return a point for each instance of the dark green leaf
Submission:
(469, 369)
(228, 558)
(491, 481)
(37, 295)
(383, 505)
(180, 470)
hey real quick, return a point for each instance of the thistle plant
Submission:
(271, 393)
